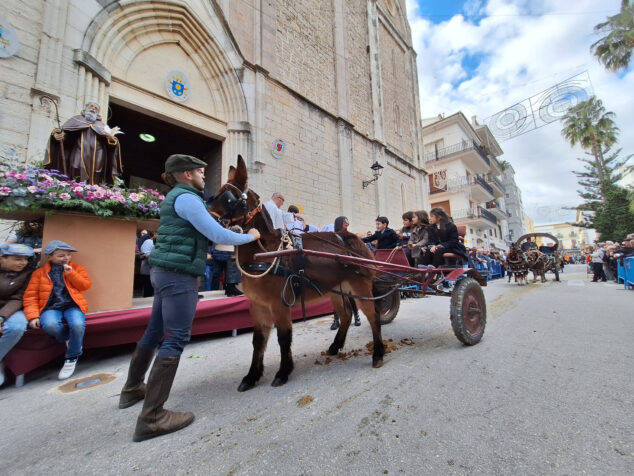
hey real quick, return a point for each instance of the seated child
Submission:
(14, 277)
(54, 295)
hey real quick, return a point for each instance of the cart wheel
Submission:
(468, 311)
(387, 308)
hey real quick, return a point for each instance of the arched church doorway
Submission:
(148, 141)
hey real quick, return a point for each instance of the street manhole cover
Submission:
(86, 382)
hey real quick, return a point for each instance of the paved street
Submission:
(549, 390)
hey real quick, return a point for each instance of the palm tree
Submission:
(590, 126)
(614, 49)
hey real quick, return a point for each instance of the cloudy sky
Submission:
(482, 56)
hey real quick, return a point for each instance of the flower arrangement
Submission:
(33, 188)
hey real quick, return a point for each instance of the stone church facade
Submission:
(310, 92)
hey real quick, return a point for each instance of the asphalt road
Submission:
(549, 390)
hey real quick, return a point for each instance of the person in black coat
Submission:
(444, 235)
(386, 237)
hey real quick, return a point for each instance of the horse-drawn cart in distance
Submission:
(526, 256)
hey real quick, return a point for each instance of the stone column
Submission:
(381, 190)
(375, 70)
(344, 128)
(93, 81)
(238, 141)
(378, 146)
(346, 168)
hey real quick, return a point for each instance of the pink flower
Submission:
(4, 191)
(32, 189)
(20, 176)
(134, 197)
(64, 196)
(78, 189)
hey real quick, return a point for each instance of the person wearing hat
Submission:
(54, 296)
(14, 277)
(178, 260)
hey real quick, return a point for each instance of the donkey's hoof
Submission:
(279, 381)
(333, 349)
(377, 363)
(244, 386)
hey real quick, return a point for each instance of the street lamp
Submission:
(377, 170)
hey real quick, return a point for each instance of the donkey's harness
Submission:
(294, 272)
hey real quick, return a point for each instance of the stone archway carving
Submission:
(123, 30)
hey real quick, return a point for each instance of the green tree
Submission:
(589, 125)
(592, 191)
(614, 49)
(613, 219)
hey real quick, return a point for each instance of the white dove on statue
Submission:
(112, 132)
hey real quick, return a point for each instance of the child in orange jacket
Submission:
(54, 295)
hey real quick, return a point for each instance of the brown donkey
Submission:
(237, 204)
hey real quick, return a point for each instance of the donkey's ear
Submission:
(232, 173)
(240, 178)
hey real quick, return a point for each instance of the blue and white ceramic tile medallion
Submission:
(9, 42)
(177, 86)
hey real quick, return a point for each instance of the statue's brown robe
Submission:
(86, 153)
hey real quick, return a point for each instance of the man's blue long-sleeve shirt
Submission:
(190, 208)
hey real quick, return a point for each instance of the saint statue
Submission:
(85, 148)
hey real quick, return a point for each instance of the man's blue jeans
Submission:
(175, 299)
(52, 323)
(12, 330)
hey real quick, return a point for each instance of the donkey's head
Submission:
(235, 203)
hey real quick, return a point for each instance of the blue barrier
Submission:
(496, 269)
(620, 272)
(629, 272)
(483, 270)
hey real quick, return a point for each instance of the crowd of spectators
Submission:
(604, 257)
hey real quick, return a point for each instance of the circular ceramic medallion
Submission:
(177, 86)
(278, 148)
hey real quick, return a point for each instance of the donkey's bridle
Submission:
(231, 203)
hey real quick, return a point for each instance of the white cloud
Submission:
(521, 56)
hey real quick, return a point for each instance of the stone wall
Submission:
(304, 49)
(17, 77)
(397, 95)
(358, 66)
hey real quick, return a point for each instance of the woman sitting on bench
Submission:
(444, 236)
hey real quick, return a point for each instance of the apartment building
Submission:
(519, 222)
(464, 178)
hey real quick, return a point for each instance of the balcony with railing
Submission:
(499, 183)
(474, 215)
(482, 182)
(494, 207)
(480, 189)
(455, 149)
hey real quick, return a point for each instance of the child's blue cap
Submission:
(57, 245)
(16, 249)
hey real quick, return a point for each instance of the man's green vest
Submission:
(179, 246)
